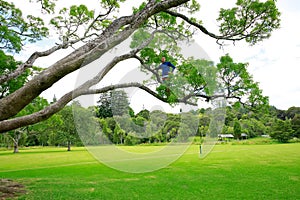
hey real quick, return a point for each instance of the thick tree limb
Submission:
(7, 125)
(29, 63)
(142, 87)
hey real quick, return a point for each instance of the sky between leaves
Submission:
(274, 63)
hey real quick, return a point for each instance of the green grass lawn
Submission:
(228, 172)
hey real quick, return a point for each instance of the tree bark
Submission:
(16, 139)
(16, 147)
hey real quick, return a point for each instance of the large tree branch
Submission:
(12, 104)
(98, 18)
(10, 124)
(197, 25)
(29, 63)
(205, 31)
(148, 68)
(111, 64)
(142, 87)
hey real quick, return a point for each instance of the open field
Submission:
(228, 172)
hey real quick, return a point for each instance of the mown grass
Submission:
(228, 172)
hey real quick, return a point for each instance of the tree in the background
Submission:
(282, 130)
(67, 132)
(119, 103)
(162, 25)
(144, 113)
(138, 125)
(202, 131)
(131, 139)
(230, 116)
(292, 111)
(228, 130)
(204, 121)
(105, 130)
(285, 114)
(16, 136)
(296, 125)
(217, 119)
(237, 129)
(113, 103)
(171, 126)
(188, 126)
(4, 141)
(281, 114)
(23, 134)
(131, 112)
(253, 127)
(111, 123)
(39, 133)
(119, 135)
(86, 124)
(104, 106)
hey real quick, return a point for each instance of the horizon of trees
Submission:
(128, 128)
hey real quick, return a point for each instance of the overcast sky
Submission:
(274, 63)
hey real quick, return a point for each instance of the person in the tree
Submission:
(165, 67)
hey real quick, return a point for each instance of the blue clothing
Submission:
(166, 68)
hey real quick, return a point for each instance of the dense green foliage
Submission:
(16, 30)
(144, 127)
(228, 172)
(282, 130)
(113, 103)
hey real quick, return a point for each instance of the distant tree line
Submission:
(116, 121)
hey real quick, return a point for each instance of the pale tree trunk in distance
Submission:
(16, 138)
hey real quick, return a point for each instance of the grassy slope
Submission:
(229, 172)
